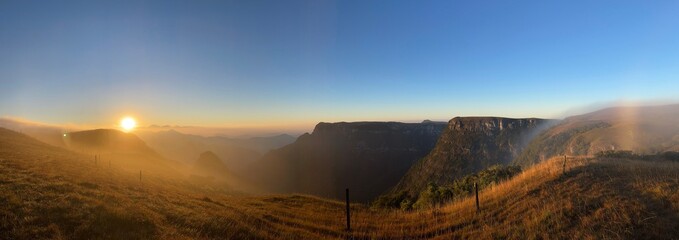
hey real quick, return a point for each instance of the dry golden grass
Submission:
(47, 192)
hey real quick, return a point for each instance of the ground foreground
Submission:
(48, 192)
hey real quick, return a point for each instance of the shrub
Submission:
(667, 156)
(394, 200)
(406, 205)
(617, 154)
(432, 196)
(435, 195)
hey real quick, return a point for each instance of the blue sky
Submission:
(295, 63)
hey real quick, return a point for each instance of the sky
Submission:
(291, 64)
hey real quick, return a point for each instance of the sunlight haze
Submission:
(289, 65)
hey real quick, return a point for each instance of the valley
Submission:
(50, 192)
(110, 184)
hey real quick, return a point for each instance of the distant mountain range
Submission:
(236, 153)
(367, 157)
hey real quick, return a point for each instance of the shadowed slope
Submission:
(209, 164)
(368, 157)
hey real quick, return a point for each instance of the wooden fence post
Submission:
(476, 189)
(564, 164)
(348, 212)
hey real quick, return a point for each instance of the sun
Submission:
(128, 124)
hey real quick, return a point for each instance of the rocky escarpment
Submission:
(367, 157)
(468, 145)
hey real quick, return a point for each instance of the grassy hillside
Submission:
(644, 129)
(48, 192)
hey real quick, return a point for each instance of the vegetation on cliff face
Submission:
(434, 195)
(469, 145)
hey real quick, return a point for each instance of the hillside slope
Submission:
(209, 164)
(642, 129)
(106, 141)
(48, 192)
(52, 135)
(369, 157)
(468, 145)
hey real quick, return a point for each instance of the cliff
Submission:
(468, 145)
(367, 157)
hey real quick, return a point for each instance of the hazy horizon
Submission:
(254, 131)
